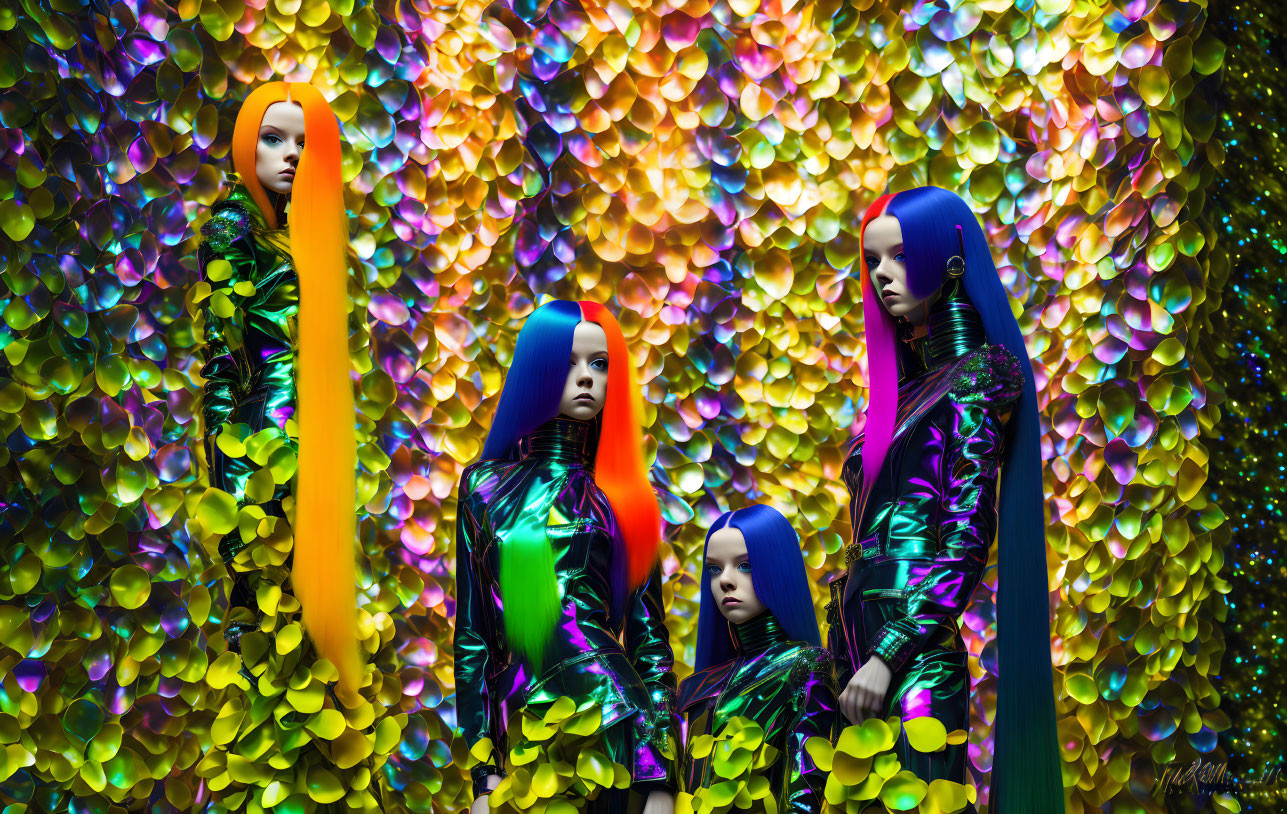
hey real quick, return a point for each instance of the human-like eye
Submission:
(270, 139)
(900, 258)
(713, 570)
(872, 261)
(744, 567)
(599, 364)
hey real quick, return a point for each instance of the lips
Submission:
(731, 601)
(584, 397)
(290, 173)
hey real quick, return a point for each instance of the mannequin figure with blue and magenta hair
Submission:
(759, 655)
(948, 461)
(558, 582)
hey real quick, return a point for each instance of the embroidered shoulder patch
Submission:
(229, 222)
(990, 374)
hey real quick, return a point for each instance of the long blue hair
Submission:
(1026, 774)
(777, 574)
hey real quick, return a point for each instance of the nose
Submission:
(583, 376)
(725, 581)
(883, 279)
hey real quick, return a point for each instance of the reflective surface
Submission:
(624, 661)
(250, 327)
(786, 687)
(921, 544)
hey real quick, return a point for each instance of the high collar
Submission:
(954, 330)
(754, 636)
(562, 440)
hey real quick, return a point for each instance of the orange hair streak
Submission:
(619, 468)
(324, 571)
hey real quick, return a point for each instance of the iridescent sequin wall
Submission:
(701, 166)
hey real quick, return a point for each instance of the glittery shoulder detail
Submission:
(811, 661)
(989, 375)
(229, 222)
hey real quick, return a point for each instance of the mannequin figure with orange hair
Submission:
(276, 360)
(558, 588)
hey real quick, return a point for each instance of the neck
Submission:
(563, 440)
(951, 330)
(754, 636)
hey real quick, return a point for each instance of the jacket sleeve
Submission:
(474, 639)
(225, 236)
(647, 644)
(987, 386)
(816, 717)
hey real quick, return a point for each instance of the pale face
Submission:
(882, 249)
(729, 570)
(587, 382)
(281, 139)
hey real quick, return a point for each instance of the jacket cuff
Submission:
(893, 647)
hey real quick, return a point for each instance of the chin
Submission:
(582, 412)
(277, 186)
(740, 613)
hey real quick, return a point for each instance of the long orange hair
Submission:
(619, 468)
(323, 571)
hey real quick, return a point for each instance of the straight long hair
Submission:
(1026, 776)
(777, 575)
(530, 397)
(323, 572)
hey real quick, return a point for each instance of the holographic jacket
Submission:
(921, 536)
(787, 688)
(622, 659)
(250, 328)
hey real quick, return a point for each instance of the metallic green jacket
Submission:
(616, 653)
(250, 329)
(787, 688)
(921, 540)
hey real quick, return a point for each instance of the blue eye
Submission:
(872, 262)
(713, 570)
(599, 364)
(270, 139)
(899, 257)
(745, 567)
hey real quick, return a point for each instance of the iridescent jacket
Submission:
(786, 687)
(921, 537)
(250, 329)
(623, 660)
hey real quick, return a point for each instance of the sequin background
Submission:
(702, 166)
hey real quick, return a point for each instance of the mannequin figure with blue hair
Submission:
(759, 654)
(948, 460)
(558, 584)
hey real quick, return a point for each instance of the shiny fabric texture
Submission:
(921, 544)
(787, 687)
(250, 355)
(622, 661)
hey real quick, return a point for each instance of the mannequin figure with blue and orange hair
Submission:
(558, 584)
(952, 416)
(759, 655)
(276, 316)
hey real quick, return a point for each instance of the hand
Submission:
(660, 802)
(865, 693)
(481, 802)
